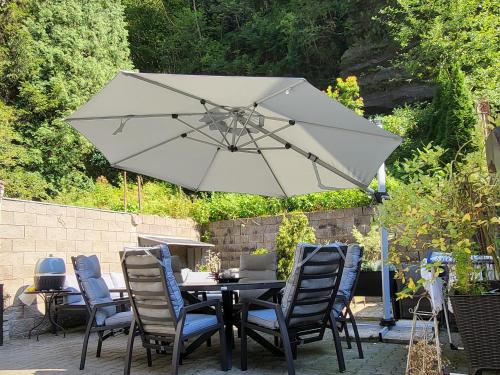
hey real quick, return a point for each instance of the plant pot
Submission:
(479, 326)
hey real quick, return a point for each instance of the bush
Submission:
(293, 230)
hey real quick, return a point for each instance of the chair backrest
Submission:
(258, 267)
(311, 288)
(350, 275)
(92, 286)
(255, 268)
(154, 294)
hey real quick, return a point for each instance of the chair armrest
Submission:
(117, 302)
(200, 305)
(118, 290)
(259, 302)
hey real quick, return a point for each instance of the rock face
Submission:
(383, 85)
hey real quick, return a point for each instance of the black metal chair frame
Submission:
(162, 341)
(347, 315)
(291, 337)
(103, 332)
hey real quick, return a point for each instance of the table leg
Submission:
(45, 317)
(227, 304)
(55, 325)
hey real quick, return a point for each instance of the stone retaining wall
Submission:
(233, 237)
(31, 230)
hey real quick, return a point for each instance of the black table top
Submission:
(245, 285)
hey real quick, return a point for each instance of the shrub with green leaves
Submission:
(293, 230)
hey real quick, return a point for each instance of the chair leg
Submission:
(243, 353)
(223, 348)
(287, 348)
(294, 351)
(338, 345)
(356, 335)
(148, 355)
(347, 335)
(130, 347)
(85, 344)
(99, 345)
(176, 354)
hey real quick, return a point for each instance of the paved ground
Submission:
(57, 355)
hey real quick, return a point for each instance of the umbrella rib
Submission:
(390, 135)
(113, 117)
(268, 165)
(245, 125)
(153, 82)
(199, 131)
(264, 135)
(301, 81)
(154, 146)
(311, 156)
(214, 123)
(201, 141)
(208, 169)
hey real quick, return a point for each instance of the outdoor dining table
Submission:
(271, 287)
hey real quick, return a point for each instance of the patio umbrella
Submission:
(259, 135)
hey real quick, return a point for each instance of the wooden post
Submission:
(125, 190)
(139, 191)
(483, 111)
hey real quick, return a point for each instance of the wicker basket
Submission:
(478, 321)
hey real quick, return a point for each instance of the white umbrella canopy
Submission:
(259, 135)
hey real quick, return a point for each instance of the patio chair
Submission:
(341, 307)
(161, 319)
(105, 317)
(306, 307)
(256, 268)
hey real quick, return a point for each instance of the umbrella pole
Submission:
(388, 317)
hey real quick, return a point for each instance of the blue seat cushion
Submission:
(124, 317)
(198, 322)
(265, 318)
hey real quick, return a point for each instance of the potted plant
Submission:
(452, 207)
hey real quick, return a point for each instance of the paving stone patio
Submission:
(54, 355)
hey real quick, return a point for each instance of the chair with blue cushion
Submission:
(341, 308)
(106, 315)
(306, 306)
(161, 318)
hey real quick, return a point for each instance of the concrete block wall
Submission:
(234, 237)
(32, 230)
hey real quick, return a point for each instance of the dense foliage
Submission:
(452, 207)
(453, 121)
(294, 229)
(53, 56)
(433, 34)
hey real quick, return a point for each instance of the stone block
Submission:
(7, 217)
(46, 246)
(21, 245)
(92, 214)
(75, 234)
(123, 236)
(123, 217)
(84, 223)
(147, 219)
(80, 212)
(92, 235)
(13, 205)
(84, 246)
(70, 211)
(115, 226)
(6, 245)
(11, 231)
(100, 246)
(108, 236)
(68, 222)
(335, 214)
(56, 233)
(56, 210)
(46, 221)
(108, 215)
(30, 258)
(65, 245)
(269, 237)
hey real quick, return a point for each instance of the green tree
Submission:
(434, 34)
(293, 230)
(54, 56)
(453, 120)
(347, 92)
